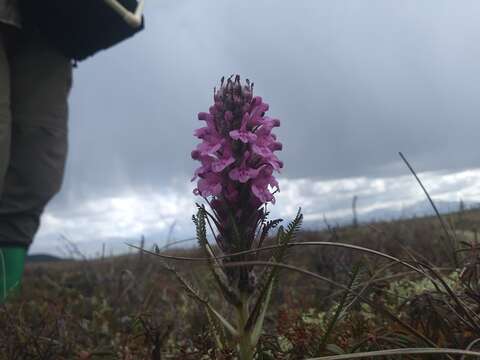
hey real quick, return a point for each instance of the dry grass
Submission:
(130, 308)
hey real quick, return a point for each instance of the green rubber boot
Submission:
(12, 262)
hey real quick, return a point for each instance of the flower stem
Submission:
(245, 347)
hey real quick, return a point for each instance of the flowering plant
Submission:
(237, 156)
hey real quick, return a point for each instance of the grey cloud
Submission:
(352, 81)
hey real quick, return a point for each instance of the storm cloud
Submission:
(353, 82)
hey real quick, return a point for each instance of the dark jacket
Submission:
(9, 12)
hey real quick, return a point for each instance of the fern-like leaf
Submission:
(272, 224)
(345, 302)
(257, 316)
(213, 263)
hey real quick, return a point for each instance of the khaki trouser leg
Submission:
(40, 84)
(5, 116)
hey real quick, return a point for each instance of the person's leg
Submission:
(5, 116)
(12, 261)
(12, 257)
(40, 84)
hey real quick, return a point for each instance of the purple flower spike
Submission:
(237, 155)
(237, 147)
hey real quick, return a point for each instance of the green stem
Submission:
(245, 348)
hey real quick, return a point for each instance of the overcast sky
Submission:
(353, 82)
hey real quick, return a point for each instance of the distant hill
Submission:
(419, 209)
(43, 258)
(416, 210)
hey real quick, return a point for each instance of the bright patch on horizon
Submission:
(129, 215)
